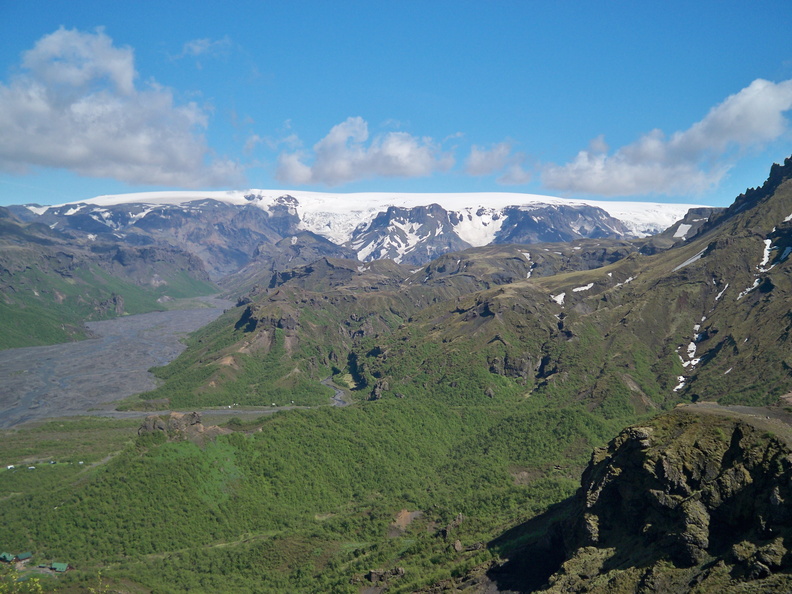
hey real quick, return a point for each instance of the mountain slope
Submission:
(228, 229)
(480, 383)
(595, 321)
(50, 283)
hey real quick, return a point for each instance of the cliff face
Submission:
(698, 499)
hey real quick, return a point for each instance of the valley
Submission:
(87, 377)
(481, 379)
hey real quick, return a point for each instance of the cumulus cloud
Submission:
(346, 155)
(76, 106)
(498, 158)
(514, 175)
(687, 162)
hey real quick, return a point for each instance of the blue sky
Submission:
(663, 101)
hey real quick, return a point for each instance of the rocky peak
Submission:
(701, 488)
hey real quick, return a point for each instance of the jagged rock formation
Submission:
(697, 500)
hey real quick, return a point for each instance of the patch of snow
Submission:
(577, 247)
(719, 295)
(39, 210)
(527, 255)
(748, 290)
(92, 237)
(628, 280)
(478, 226)
(140, 215)
(364, 252)
(681, 384)
(682, 230)
(558, 298)
(411, 239)
(293, 240)
(786, 220)
(583, 288)
(72, 211)
(690, 260)
(727, 371)
(55, 224)
(766, 256)
(691, 350)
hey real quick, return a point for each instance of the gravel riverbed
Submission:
(86, 377)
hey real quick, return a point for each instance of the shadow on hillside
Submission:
(534, 551)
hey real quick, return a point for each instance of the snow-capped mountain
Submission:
(227, 228)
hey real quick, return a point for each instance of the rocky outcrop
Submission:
(697, 496)
(179, 426)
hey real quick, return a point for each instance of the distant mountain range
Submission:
(229, 229)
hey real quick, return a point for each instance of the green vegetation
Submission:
(479, 397)
(46, 308)
(239, 378)
(307, 502)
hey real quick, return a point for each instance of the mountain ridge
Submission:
(409, 228)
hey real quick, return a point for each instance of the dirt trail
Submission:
(773, 419)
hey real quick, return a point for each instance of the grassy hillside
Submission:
(307, 501)
(43, 308)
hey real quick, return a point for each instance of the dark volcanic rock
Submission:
(152, 424)
(698, 496)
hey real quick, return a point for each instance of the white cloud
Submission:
(486, 162)
(343, 156)
(499, 158)
(251, 142)
(514, 176)
(76, 106)
(200, 47)
(687, 162)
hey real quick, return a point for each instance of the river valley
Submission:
(86, 377)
